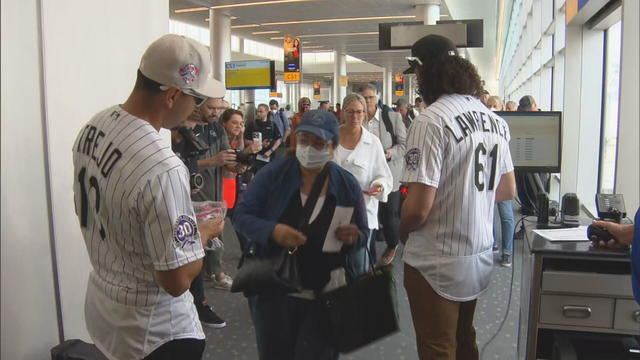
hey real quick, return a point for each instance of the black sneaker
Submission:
(506, 260)
(496, 248)
(208, 317)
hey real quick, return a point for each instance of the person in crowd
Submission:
(505, 212)
(324, 106)
(141, 233)
(280, 121)
(527, 103)
(402, 108)
(234, 180)
(338, 111)
(625, 236)
(484, 97)
(418, 107)
(271, 137)
(526, 191)
(288, 114)
(454, 175)
(510, 106)
(494, 103)
(389, 128)
(304, 105)
(203, 121)
(361, 153)
(291, 326)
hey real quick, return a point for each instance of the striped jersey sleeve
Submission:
(170, 230)
(425, 153)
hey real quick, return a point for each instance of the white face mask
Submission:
(312, 158)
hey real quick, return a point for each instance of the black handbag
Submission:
(278, 273)
(363, 311)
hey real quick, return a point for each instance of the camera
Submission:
(189, 150)
(244, 158)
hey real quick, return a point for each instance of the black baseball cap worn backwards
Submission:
(427, 49)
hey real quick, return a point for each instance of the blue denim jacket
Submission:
(269, 193)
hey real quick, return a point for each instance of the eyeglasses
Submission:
(356, 112)
(199, 99)
(306, 104)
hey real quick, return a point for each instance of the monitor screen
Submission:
(536, 140)
(250, 74)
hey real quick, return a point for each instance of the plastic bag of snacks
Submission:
(206, 210)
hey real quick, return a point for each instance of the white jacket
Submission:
(377, 128)
(369, 166)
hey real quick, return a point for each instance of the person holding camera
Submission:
(131, 197)
(263, 131)
(235, 180)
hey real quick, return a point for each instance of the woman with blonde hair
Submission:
(361, 153)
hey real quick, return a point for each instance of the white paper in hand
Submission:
(341, 216)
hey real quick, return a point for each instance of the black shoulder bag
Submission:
(387, 125)
(276, 274)
(363, 311)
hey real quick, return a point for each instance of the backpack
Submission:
(387, 125)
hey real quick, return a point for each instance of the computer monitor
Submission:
(536, 140)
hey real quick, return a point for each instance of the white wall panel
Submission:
(90, 63)
(29, 325)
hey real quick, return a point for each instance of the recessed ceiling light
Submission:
(256, 3)
(329, 35)
(265, 32)
(181, 11)
(232, 18)
(313, 47)
(315, 21)
(245, 26)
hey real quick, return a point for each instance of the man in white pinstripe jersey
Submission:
(457, 165)
(132, 199)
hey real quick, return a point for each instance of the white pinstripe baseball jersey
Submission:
(132, 198)
(462, 148)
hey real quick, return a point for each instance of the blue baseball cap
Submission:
(319, 123)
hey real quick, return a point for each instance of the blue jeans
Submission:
(290, 328)
(361, 262)
(505, 210)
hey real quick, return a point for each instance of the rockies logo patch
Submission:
(412, 158)
(184, 232)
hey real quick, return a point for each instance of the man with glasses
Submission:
(390, 129)
(132, 199)
(204, 122)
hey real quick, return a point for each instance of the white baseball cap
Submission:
(179, 61)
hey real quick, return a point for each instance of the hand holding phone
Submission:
(374, 190)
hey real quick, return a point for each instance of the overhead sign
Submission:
(252, 74)
(344, 80)
(402, 35)
(292, 77)
(398, 81)
(316, 90)
(292, 59)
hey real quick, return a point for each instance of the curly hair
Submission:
(448, 74)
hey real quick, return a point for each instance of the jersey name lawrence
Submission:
(131, 196)
(462, 148)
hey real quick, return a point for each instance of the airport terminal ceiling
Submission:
(249, 20)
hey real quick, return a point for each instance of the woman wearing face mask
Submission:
(291, 326)
(361, 153)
